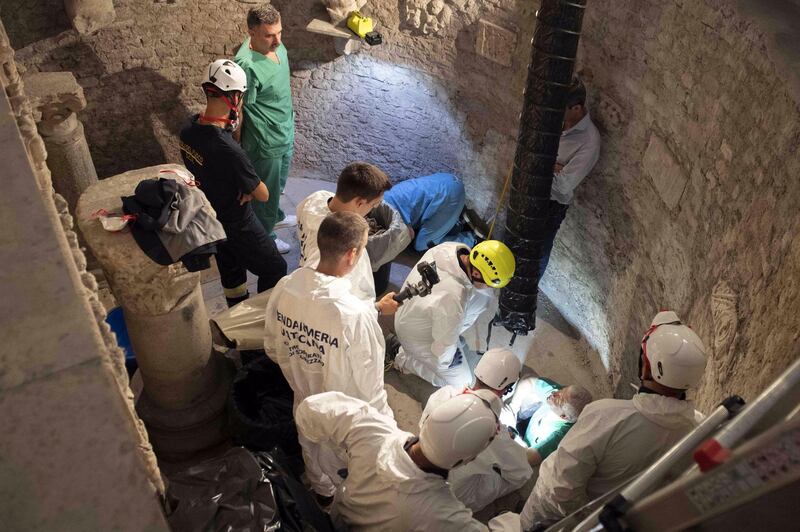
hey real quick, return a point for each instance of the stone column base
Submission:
(177, 434)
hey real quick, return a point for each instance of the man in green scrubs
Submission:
(267, 132)
(552, 409)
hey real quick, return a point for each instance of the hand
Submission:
(387, 305)
(557, 168)
(457, 358)
(244, 198)
(411, 231)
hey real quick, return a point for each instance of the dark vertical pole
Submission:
(554, 47)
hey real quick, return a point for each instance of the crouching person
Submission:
(503, 466)
(324, 338)
(396, 481)
(614, 439)
(430, 328)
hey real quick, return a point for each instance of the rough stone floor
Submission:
(555, 349)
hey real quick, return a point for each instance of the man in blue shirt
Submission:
(431, 205)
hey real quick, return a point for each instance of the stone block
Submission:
(43, 315)
(88, 16)
(495, 43)
(69, 459)
(666, 174)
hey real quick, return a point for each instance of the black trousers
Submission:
(249, 247)
(381, 278)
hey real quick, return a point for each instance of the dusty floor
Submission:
(555, 349)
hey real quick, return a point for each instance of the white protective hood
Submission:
(310, 213)
(429, 327)
(612, 441)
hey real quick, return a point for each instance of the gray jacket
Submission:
(192, 223)
(388, 235)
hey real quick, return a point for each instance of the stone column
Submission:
(88, 16)
(185, 384)
(55, 98)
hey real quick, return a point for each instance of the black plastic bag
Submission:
(261, 408)
(242, 492)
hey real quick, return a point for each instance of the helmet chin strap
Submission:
(232, 120)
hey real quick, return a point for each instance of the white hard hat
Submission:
(676, 354)
(498, 368)
(457, 431)
(226, 75)
(491, 399)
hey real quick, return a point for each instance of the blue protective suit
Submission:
(431, 205)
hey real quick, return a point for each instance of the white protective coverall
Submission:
(500, 469)
(324, 338)
(310, 213)
(612, 441)
(429, 328)
(384, 489)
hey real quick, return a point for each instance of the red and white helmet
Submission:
(226, 75)
(673, 352)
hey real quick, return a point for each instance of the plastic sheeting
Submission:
(243, 324)
(261, 408)
(241, 492)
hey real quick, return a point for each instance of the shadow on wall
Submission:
(136, 113)
(30, 21)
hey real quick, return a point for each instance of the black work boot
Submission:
(392, 348)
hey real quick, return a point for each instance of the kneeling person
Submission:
(503, 466)
(323, 337)
(548, 409)
(430, 328)
(359, 189)
(396, 481)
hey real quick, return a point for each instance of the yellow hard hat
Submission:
(495, 262)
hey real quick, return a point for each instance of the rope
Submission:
(500, 201)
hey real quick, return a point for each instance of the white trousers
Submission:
(322, 466)
(427, 367)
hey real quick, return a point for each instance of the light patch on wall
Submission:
(405, 121)
(570, 289)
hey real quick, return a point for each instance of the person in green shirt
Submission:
(267, 131)
(552, 410)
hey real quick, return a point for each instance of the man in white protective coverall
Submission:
(325, 338)
(397, 482)
(615, 439)
(359, 189)
(430, 328)
(503, 466)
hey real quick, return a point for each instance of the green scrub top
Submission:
(268, 130)
(546, 430)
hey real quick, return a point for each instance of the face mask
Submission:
(486, 291)
(113, 223)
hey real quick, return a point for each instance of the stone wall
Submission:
(693, 204)
(690, 207)
(65, 403)
(434, 97)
